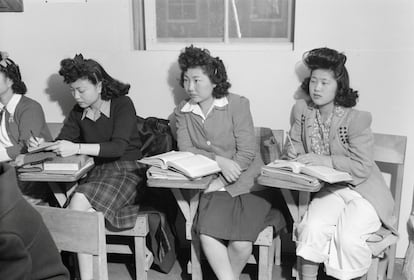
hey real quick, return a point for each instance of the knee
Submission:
(311, 228)
(79, 202)
(241, 247)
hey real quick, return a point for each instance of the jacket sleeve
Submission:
(31, 118)
(244, 133)
(15, 261)
(358, 161)
(184, 141)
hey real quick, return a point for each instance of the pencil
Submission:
(291, 143)
(34, 137)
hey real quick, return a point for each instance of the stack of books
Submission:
(296, 175)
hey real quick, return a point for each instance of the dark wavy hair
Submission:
(213, 67)
(11, 70)
(79, 68)
(330, 59)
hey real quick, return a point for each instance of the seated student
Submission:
(20, 117)
(27, 250)
(327, 131)
(219, 125)
(102, 124)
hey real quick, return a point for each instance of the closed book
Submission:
(70, 163)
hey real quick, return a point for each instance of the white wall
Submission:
(376, 35)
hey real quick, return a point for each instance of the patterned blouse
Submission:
(320, 133)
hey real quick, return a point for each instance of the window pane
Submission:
(189, 19)
(259, 19)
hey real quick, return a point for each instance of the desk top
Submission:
(54, 177)
(277, 183)
(201, 183)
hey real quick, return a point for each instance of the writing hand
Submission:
(34, 141)
(229, 168)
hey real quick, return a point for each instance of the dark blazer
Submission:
(27, 250)
(351, 144)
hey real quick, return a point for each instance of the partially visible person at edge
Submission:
(219, 125)
(103, 125)
(27, 250)
(327, 131)
(20, 117)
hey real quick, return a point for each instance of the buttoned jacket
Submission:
(351, 144)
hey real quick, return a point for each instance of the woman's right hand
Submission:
(34, 141)
(229, 168)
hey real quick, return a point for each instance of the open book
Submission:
(187, 163)
(322, 173)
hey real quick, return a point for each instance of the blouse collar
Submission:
(95, 114)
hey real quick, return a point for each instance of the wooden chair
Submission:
(389, 153)
(143, 257)
(269, 244)
(79, 232)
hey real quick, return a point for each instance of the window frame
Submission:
(145, 37)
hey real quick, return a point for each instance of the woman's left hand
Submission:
(315, 159)
(64, 148)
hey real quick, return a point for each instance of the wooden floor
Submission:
(120, 271)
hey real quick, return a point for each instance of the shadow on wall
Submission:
(302, 72)
(178, 93)
(59, 92)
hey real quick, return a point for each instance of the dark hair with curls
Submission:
(80, 68)
(330, 59)
(11, 70)
(213, 67)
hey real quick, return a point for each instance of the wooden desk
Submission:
(297, 206)
(192, 190)
(62, 185)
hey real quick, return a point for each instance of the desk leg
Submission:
(189, 209)
(297, 210)
(62, 191)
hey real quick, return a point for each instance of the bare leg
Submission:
(239, 253)
(308, 269)
(217, 256)
(80, 202)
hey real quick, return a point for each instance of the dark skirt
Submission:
(112, 188)
(239, 218)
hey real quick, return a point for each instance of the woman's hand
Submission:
(34, 141)
(19, 161)
(229, 168)
(64, 148)
(314, 159)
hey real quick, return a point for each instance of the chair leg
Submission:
(266, 258)
(373, 269)
(140, 258)
(278, 249)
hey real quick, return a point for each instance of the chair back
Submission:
(269, 142)
(79, 232)
(389, 153)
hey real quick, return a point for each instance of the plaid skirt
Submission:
(113, 189)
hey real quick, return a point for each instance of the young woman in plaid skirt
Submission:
(102, 124)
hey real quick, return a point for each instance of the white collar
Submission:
(12, 104)
(196, 109)
(94, 115)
